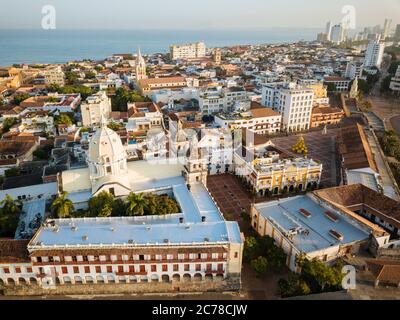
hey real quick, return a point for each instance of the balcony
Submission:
(134, 273)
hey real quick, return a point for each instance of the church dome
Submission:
(106, 146)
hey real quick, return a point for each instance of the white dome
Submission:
(106, 146)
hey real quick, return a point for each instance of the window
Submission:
(209, 266)
(17, 270)
(98, 269)
(165, 267)
(131, 269)
(108, 169)
(187, 267)
(29, 270)
(74, 258)
(64, 270)
(109, 269)
(236, 254)
(153, 268)
(85, 258)
(120, 268)
(176, 267)
(198, 267)
(142, 268)
(141, 257)
(87, 269)
(220, 267)
(39, 259)
(76, 269)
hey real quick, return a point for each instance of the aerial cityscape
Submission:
(214, 168)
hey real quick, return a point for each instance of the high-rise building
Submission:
(374, 53)
(217, 56)
(94, 108)
(337, 34)
(328, 30)
(397, 32)
(188, 51)
(294, 102)
(386, 28)
(395, 83)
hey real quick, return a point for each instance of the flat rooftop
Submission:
(286, 216)
(144, 230)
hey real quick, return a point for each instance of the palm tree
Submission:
(9, 206)
(136, 204)
(62, 206)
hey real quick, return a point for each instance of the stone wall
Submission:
(229, 284)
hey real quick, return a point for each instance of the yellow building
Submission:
(320, 91)
(271, 172)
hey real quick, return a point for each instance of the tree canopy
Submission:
(9, 216)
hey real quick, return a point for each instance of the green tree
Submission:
(90, 75)
(63, 119)
(294, 286)
(136, 204)
(72, 77)
(9, 216)
(103, 200)
(62, 206)
(12, 172)
(18, 98)
(115, 126)
(320, 276)
(259, 265)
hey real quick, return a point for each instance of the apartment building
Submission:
(293, 101)
(374, 54)
(54, 75)
(395, 83)
(259, 120)
(212, 100)
(339, 84)
(94, 108)
(234, 95)
(188, 51)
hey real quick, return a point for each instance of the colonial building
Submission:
(270, 171)
(140, 67)
(315, 227)
(325, 115)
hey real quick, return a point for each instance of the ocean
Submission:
(59, 46)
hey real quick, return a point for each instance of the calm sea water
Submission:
(58, 46)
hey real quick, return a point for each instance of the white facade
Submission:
(354, 70)
(292, 101)
(337, 34)
(395, 83)
(54, 76)
(94, 108)
(188, 51)
(374, 54)
(212, 101)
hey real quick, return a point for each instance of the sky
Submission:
(194, 14)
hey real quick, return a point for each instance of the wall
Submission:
(231, 284)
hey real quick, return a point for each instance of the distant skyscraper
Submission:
(328, 30)
(386, 28)
(374, 53)
(397, 32)
(337, 34)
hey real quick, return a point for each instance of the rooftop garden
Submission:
(106, 205)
